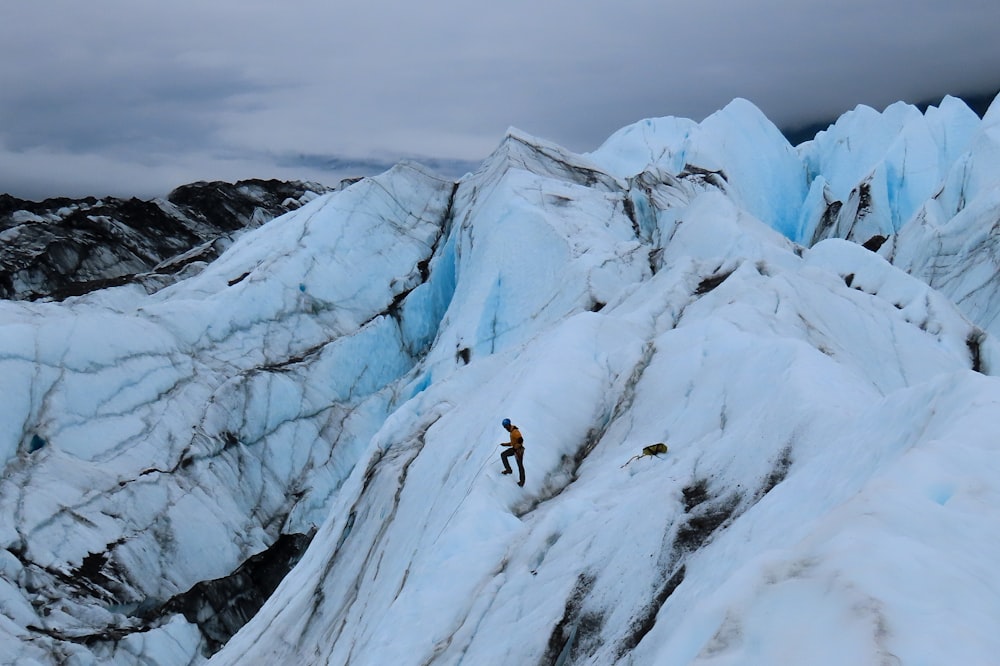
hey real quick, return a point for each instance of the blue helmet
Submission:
(505, 423)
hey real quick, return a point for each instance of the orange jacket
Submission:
(516, 440)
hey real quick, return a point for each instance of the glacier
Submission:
(292, 455)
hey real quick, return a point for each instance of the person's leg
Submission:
(503, 458)
(520, 466)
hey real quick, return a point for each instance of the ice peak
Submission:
(337, 376)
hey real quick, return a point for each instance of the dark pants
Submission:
(519, 456)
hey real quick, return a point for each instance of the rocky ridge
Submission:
(60, 247)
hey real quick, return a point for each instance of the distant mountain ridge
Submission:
(64, 247)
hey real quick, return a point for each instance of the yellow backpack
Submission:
(651, 450)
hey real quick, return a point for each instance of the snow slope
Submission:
(340, 373)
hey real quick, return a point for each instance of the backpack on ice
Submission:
(651, 450)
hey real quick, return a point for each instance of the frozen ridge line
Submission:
(323, 402)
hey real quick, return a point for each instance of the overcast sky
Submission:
(132, 98)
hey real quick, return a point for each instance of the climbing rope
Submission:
(467, 492)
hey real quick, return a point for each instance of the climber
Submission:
(516, 449)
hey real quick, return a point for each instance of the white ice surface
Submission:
(830, 491)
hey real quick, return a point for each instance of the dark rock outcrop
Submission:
(61, 247)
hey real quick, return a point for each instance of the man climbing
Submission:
(516, 449)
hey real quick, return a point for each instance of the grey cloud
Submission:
(169, 109)
(201, 90)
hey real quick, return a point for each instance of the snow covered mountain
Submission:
(293, 456)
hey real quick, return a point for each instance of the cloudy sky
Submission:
(132, 98)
